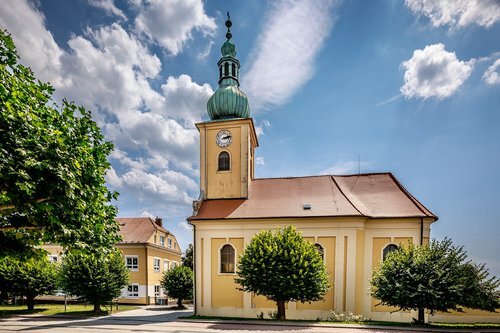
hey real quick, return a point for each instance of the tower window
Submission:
(233, 69)
(388, 249)
(226, 69)
(227, 259)
(224, 161)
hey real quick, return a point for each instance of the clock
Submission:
(223, 138)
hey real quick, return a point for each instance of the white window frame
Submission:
(156, 268)
(169, 242)
(132, 267)
(162, 241)
(133, 294)
(166, 265)
(157, 291)
(53, 258)
(220, 260)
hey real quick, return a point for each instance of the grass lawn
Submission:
(57, 309)
(451, 326)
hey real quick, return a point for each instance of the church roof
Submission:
(138, 229)
(374, 195)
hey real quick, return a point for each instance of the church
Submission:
(353, 220)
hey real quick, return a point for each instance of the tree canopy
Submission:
(284, 267)
(52, 166)
(178, 283)
(98, 277)
(187, 259)
(436, 277)
(27, 277)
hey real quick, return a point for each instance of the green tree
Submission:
(52, 166)
(187, 259)
(436, 277)
(284, 267)
(178, 283)
(28, 278)
(97, 276)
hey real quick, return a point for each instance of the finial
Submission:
(228, 25)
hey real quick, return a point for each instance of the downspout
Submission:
(421, 231)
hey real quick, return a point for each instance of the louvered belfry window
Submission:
(227, 259)
(224, 161)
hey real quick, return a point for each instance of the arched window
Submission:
(226, 69)
(224, 161)
(321, 250)
(227, 259)
(388, 249)
(233, 70)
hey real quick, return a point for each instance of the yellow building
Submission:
(355, 220)
(148, 251)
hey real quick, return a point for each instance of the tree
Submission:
(27, 277)
(284, 267)
(187, 260)
(97, 276)
(52, 166)
(178, 283)
(436, 277)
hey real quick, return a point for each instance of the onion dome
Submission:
(228, 101)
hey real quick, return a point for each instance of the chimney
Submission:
(159, 221)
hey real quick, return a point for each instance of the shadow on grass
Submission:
(13, 312)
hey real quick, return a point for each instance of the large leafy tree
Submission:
(97, 276)
(52, 166)
(28, 278)
(436, 277)
(178, 283)
(187, 259)
(284, 267)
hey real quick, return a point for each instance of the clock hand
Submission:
(226, 137)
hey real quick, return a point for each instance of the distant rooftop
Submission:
(138, 229)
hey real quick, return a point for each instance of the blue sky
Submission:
(410, 87)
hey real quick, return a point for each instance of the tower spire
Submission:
(228, 101)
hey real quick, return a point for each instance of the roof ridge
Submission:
(345, 196)
(417, 203)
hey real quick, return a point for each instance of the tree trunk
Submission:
(30, 302)
(281, 310)
(179, 303)
(421, 318)
(97, 306)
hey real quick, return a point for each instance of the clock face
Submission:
(224, 138)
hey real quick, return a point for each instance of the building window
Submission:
(132, 263)
(133, 290)
(174, 264)
(166, 265)
(388, 249)
(224, 161)
(157, 291)
(156, 264)
(170, 243)
(320, 250)
(226, 69)
(227, 259)
(53, 258)
(233, 70)
(162, 240)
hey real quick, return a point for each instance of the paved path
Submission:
(158, 319)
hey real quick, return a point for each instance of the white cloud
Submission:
(34, 43)
(434, 72)
(184, 225)
(171, 22)
(347, 167)
(492, 75)
(259, 160)
(206, 52)
(108, 6)
(259, 129)
(457, 13)
(288, 43)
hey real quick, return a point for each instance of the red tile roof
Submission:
(137, 229)
(375, 195)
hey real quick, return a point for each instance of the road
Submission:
(153, 319)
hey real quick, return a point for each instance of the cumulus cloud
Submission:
(288, 43)
(259, 160)
(259, 129)
(434, 72)
(457, 13)
(108, 6)
(492, 75)
(347, 168)
(171, 22)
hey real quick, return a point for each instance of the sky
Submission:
(335, 87)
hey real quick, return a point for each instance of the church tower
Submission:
(228, 139)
